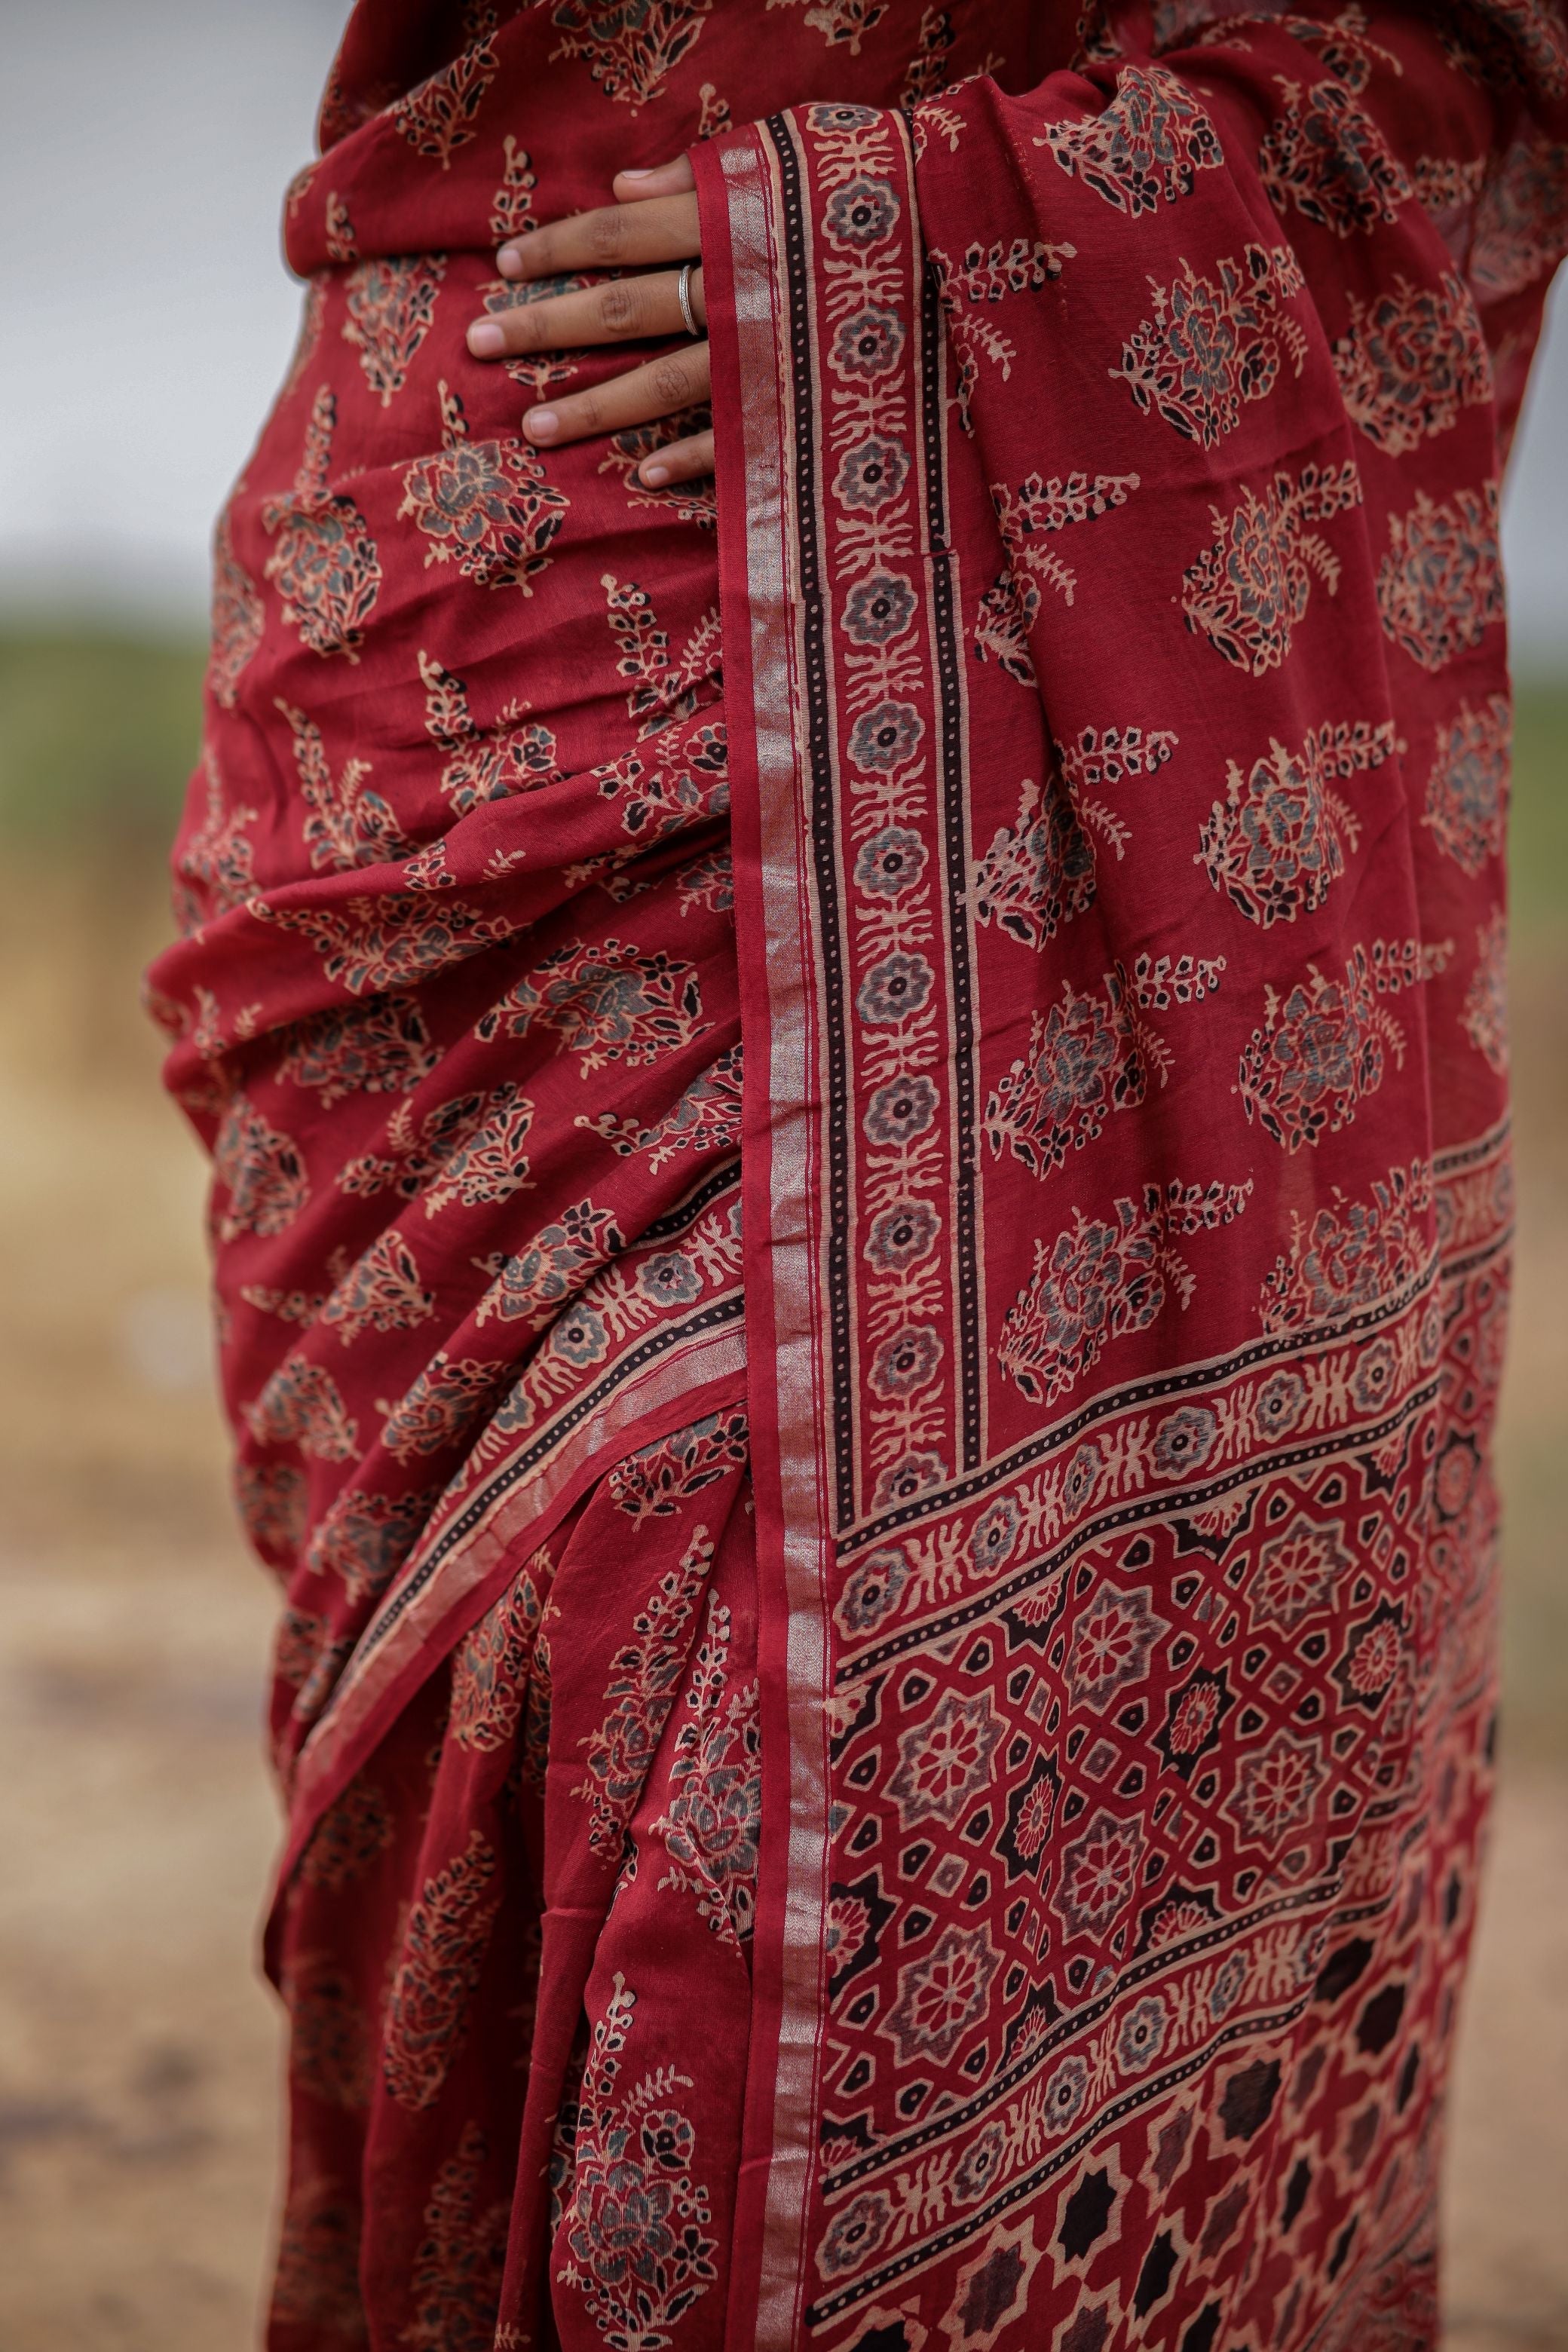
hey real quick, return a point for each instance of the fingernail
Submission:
(542, 423)
(508, 261)
(655, 475)
(485, 339)
(636, 171)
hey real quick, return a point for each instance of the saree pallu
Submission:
(862, 1192)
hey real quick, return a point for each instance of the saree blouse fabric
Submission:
(861, 1190)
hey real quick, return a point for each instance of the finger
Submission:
(664, 386)
(614, 237)
(679, 461)
(675, 179)
(628, 309)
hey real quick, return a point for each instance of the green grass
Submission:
(1538, 847)
(98, 735)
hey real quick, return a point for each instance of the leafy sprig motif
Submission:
(437, 117)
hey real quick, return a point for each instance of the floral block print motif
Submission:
(1410, 359)
(345, 825)
(1247, 592)
(1087, 1057)
(1352, 1253)
(388, 942)
(486, 506)
(514, 755)
(1102, 1277)
(366, 1538)
(644, 1684)
(1321, 1049)
(1467, 791)
(707, 1118)
(981, 278)
(1009, 610)
(442, 1948)
(438, 1407)
(438, 118)
(462, 2250)
(1485, 1016)
(215, 870)
(1522, 220)
(325, 564)
(262, 1170)
(466, 1150)
(348, 1838)
(329, 2037)
(636, 2221)
(490, 1673)
(628, 45)
(843, 24)
(1279, 839)
(512, 206)
(380, 1048)
(1325, 155)
(605, 1002)
(654, 1481)
(237, 618)
(317, 2280)
(1439, 587)
(301, 1405)
(710, 1829)
(666, 687)
(1145, 149)
(1216, 342)
(1039, 871)
(390, 306)
(383, 1291)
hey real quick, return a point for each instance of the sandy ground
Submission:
(138, 2052)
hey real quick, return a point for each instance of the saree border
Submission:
(800, 783)
(743, 189)
(516, 1484)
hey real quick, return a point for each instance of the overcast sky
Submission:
(146, 318)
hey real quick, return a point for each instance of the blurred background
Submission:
(144, 323)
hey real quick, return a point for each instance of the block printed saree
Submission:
(861, 1187)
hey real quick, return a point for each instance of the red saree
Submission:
(861, 1193)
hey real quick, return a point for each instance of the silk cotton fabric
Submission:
(861, 1199)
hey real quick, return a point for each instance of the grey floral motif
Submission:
(892, 862)
(871, 1591)
(1279, 838)
(868, 344)
(712, 1826)
(900, 1111)
(1089, 1057)
(1099, 1873)
(946, 1760)
(943, 1994)
(879, 609)
(1297, 1572)
(871, 474)
(893, 989)
(1111, 1646)
(863, 212)
(1467, 791)
(886, 736)
(636, 2223)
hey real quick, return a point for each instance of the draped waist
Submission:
(455, 1003)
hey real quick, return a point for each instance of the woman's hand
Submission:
(653, 219)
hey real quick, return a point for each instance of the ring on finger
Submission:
(683, 296)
